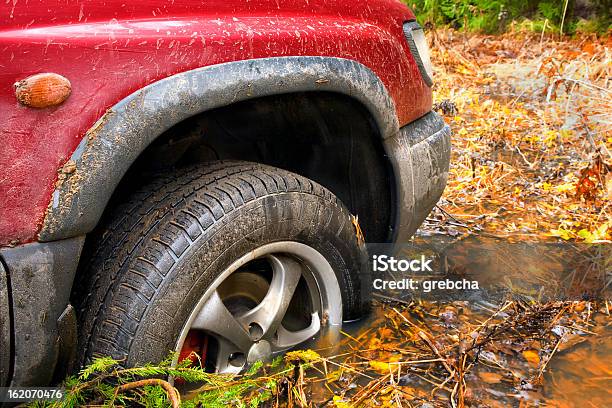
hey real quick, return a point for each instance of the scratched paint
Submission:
(112, 48)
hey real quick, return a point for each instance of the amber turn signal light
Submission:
(43, 90)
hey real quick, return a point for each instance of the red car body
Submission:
(110, 49)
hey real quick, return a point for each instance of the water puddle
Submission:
(582, 375)
(577, 375)
(537, 333)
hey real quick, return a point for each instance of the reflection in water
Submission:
(541, 324)
(506, 372)
(538, 271)
(582, 375)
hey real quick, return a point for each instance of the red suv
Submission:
(200, 176)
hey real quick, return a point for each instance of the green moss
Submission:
(595, 25)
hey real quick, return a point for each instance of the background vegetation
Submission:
(494, 16)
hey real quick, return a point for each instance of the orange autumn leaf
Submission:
(385, 332)
(532, 357)
(490, 378)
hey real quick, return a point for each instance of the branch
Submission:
(175, 399)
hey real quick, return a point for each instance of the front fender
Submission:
(125, 130)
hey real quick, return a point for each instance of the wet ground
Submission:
(582, 376)
(537, 332)
(531, 145)
(578, 375)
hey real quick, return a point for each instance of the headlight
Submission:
(419, 49)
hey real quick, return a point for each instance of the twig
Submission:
(457, 222)
(581, 82)
(554, 350)
(531, 165)
(588, 132)
(393, 299)
(563, 19)
(173, 396)
(543, 30)
(433, 348)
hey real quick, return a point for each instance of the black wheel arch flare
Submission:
(116, 140)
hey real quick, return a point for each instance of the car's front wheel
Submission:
(234, 261)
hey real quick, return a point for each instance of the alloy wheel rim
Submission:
(270, 300)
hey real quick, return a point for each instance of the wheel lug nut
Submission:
(237, 359)
(255, 331)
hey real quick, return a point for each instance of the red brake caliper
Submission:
(195, 345)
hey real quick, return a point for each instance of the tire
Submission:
(156, 254)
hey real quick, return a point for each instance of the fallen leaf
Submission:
(586, 235)
(532, 357)
(562, 233)
(490, 378)
(306, 356)
(358, 231)
(334, 376)
(380, 366)
(341, 402)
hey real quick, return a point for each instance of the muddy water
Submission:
(578, 374)
(535, 271)
(582, 376)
